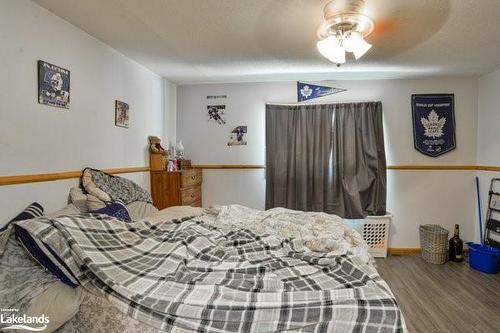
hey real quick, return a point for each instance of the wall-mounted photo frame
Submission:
(238, 136)
(53, 85)
(216, 109)
(121, 114)
(217, 113)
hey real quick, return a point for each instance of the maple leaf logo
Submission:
(306, 91)
(433, 125)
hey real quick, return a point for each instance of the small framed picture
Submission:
(53, 85)
(237, 136)
(217, 113)
(121, 114)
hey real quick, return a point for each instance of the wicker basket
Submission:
(434, 243)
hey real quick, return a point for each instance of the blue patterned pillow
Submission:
(30, 212)
(116, 209)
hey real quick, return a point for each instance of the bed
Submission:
(222, 269)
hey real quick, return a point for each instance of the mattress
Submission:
(265, 271)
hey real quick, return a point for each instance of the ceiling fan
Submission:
(344, 30)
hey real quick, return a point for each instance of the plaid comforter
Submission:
(190, 276)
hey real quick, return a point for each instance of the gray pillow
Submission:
(70, 209)
(140, 209)
(94, 203)
(60, 303)
(79, 199)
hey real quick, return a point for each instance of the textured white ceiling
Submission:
(190, 41)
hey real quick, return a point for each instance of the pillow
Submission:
(68, 210)
(32, 211)
(94, 203)
(60, 303)
(79, 199)
(45, 256)
(91, 188)
(111, 188)
(175, 212)
(140, 209)
(115, 209)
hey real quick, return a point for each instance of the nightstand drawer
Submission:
(176, 188)
(190, 195)
(191, 177)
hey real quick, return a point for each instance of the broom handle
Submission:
(479, 210)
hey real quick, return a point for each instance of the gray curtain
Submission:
(359, 166)
(314, 164)
(298, 150)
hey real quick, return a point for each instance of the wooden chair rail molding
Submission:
(444, 167)
(410, 167)
(229, 166)
(46, 177)
(432, 167)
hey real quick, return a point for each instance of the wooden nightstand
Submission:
(176, 188)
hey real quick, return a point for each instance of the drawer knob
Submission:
(193, 177)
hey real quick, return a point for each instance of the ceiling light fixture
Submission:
(344, 30)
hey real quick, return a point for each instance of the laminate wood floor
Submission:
(443, 298)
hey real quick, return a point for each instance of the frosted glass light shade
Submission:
(330, 48)
(355, 43)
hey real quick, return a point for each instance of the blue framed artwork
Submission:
(433, 123)
(53, 85)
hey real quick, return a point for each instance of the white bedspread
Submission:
(317, 232)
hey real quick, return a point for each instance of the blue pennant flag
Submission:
(306, 91)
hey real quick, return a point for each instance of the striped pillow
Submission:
(45, 256)
(30, 212)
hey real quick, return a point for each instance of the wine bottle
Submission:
(456, 252)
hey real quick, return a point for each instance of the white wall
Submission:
(488, 134)
(488, 148)
(170, 117)
(414, 197)
(35, 138)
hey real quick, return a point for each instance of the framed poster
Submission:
(216, 109)
(53, 85)
(121, 114)
(433, 123)
(237, 137)
(217, 113)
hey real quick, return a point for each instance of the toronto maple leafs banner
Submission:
(433, 123)
(306, 91)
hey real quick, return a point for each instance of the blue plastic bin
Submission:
(484, 258)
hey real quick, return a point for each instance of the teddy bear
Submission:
(155, 146)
